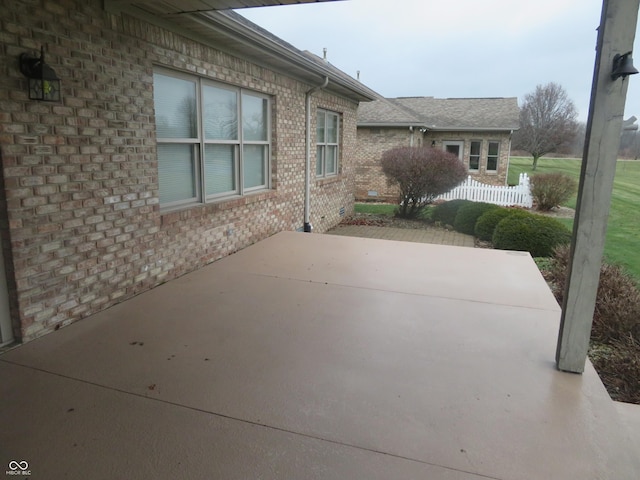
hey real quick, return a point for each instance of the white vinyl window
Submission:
(213, 139)
(493, 153)
(327, 140)
(474, 155)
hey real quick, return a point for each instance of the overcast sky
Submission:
(453, 48)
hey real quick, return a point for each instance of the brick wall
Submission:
(499, 177)
(371, 184)
(81, 225)
(372, 142)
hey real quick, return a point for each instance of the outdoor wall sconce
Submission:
(44, 84)
(622, 66)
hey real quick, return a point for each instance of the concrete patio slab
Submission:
(76, 430)
(314, 356)
(630, 415)
(481, 275)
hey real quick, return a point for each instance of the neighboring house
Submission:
(477, 130)
(179, 138)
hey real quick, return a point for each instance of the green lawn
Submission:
(376, 208)
(623, 240)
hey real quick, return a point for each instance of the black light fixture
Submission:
(622, 66)
(44, 84)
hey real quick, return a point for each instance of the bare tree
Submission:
(629, 139)
(576, 149)
(547, 121)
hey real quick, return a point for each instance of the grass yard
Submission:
(375, 208)
(623, 240)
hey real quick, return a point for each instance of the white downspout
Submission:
(506, 178)
(307, 163)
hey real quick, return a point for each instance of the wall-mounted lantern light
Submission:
(44, 84)
(622, 66)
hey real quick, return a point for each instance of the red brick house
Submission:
(180, 137)
(478, 130)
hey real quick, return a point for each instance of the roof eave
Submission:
(436, 129)
(391, 125)
(192, 5)
(252, 43)
(296, 58)
(472, 129)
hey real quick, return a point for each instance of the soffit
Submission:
(168, 7)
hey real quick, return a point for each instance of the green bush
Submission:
(467, 216)
(486, 223)
(531, 233)
(550, 190)
(446, 212)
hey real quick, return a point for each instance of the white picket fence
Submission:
(473, 190)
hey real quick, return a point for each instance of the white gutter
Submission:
(307, 162)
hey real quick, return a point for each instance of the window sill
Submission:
(169, 217)
(321, 181)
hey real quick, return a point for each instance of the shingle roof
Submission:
(385, 112)
(442, 113)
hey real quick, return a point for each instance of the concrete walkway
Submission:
(434, 235)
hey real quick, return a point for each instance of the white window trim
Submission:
(471, 142)
(458, 143)
(326, 144)
(497, 156)
(200, 143)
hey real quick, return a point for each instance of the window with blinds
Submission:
(213, 139)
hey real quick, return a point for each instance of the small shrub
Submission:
(618, 365)
(446, 212)
(617, 311)
(467, 216)
(421, 174)
(615, 332)
(531, 233)
(486, 224)
(550, 190)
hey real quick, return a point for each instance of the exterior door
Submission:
(457, 148)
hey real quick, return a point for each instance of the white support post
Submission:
(615, 36)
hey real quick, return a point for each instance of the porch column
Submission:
(615, 36)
